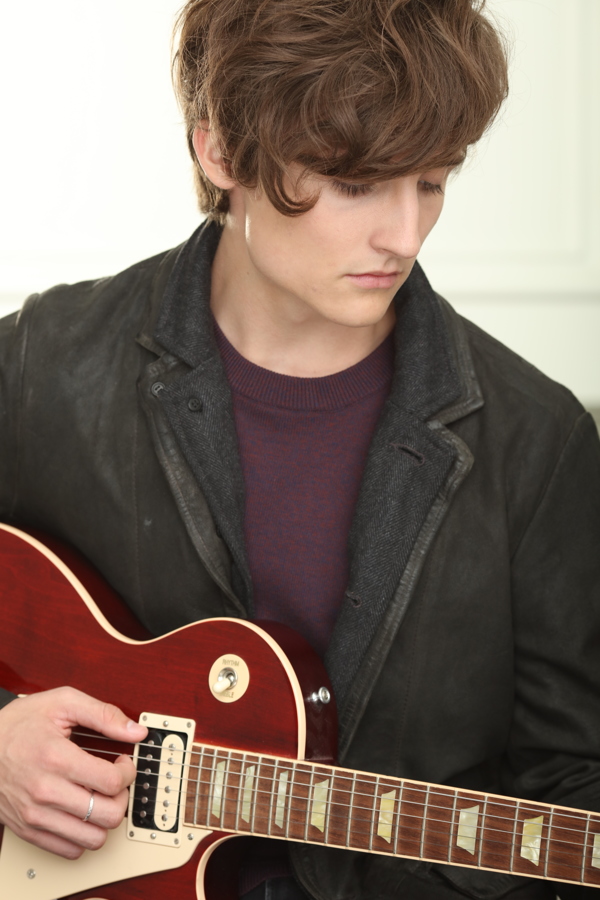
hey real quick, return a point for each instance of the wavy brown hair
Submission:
(364, 90)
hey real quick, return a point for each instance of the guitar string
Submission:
(406, 783)
(332, 771)
(369, 808)
(415, 788)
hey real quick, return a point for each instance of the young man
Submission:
(282, 420)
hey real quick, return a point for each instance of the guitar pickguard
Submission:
(119, 859)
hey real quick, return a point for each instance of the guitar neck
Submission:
(232, 791)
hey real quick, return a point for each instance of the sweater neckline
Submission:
(328, 392)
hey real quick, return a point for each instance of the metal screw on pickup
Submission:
(31, 873)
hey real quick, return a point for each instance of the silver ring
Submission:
(90, 808)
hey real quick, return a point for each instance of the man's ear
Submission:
(209, 157)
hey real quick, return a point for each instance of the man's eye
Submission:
(353, 190)
(429, 188)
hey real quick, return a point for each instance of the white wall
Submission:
(94, 171)
(518, 246)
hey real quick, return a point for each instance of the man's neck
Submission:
(277, 334)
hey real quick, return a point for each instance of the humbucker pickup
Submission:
(162, 764)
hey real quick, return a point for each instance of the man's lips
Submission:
(375, 279)
(377, 274)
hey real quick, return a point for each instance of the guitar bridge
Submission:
(157, 798)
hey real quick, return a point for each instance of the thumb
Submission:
(105, 718)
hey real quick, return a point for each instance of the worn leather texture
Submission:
(467, 650)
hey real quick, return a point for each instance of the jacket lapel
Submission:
(195, 399)
(414, 467)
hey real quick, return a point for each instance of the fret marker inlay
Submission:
(532, 839)
(247, 796)
(218, 790)
(319, 804)
(280, 805)
(386, 815)
(467, 828)
(596, 852)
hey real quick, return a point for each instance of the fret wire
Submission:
(198, 782)
(548, 843)
(451, 841)
(272, 800)
(424, 823)
(482, 834)
(256, 792)
(289, 812)
(240, 791)
(309, 803)
(514, 836)
(210, 791)
(225, 780)
(585, 840)
(565, 815)
(398, 811)
(350, 811)
(328, 809)
(373, 813)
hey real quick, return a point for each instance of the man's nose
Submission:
(400, 227)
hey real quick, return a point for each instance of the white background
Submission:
(95, 173)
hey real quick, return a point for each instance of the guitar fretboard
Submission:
(295, 800)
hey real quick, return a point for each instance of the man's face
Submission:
(305, 265)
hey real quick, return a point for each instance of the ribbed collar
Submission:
(289, 392)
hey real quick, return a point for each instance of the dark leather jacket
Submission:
(467, 650)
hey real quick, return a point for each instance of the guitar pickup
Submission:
(157, 798)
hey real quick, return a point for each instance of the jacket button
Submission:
(157, 387)
(195, 404)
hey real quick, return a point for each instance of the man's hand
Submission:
(46, 780)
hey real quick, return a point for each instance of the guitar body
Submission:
(241, 740)
(83, 636)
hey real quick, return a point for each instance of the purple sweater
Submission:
(303, 444)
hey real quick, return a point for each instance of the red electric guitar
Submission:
(241, 741)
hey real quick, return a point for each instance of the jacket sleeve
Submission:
(9, 381)
(12, 350)
(554, 751)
